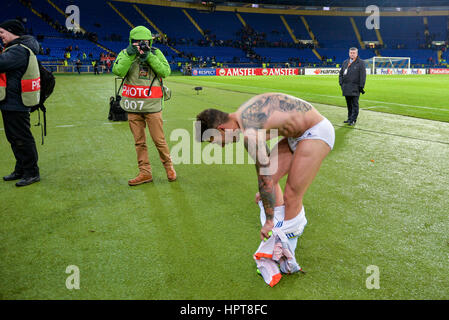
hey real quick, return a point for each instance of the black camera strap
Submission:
(117, 92)
(151, 84)
(43, 127)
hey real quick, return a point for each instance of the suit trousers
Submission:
(352, 102)
(137, 124)
(18, 133)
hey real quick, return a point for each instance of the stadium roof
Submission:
(349, 3)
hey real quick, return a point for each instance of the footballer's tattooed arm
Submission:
(267, 195)
(255, 113)
(258, 150)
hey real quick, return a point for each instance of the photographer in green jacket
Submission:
(143, 68)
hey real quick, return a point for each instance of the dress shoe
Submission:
(171, 173)
(13, 176)
(346, 121)
(143, 177)
(27, 181)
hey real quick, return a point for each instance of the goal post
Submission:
(394, 63)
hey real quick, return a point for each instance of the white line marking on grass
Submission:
(179, 119)
(409, 105)
(391, 134)
(329, 96)
(364, 108)
(394, 79)
(65, 126)
(384, 102)
(111, 123)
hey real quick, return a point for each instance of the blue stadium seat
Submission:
(335, 34)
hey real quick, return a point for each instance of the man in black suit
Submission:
(352, 81)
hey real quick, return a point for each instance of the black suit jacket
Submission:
(355, 78)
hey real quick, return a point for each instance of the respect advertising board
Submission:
(203, 72)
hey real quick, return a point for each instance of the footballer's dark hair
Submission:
(209, 119)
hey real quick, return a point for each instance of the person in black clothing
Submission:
(95, 63)
(352, 81)
(78, 66)
(16, 116)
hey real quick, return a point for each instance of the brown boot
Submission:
(171, 173)
(143, 177)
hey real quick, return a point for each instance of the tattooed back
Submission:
(290, 115)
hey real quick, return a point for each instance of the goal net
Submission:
(393, 65)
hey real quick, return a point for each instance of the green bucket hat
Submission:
(141, 33)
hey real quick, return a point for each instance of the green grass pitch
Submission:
(380, 198)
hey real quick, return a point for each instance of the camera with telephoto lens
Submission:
(144, 46)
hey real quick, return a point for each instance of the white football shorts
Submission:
(323, 130)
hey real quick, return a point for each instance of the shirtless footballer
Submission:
(308, 137)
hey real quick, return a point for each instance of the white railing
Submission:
(57, 68)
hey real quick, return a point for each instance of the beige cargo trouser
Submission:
(137, 123)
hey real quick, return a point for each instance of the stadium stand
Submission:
(165, 18)
(340, 35)
(208, 37)
(297, 27)
(269, 24)
(224, 25)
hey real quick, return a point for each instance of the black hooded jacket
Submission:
(14, 63)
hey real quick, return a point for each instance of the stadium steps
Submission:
(121, 15)
(426, 27)
(40, 16)
(54, 5)
(357, 33)
(147, 19)
(104, 48)
(193, 22)
(317, 54)
(153, 25)
(239, 16)
(62, 12)
(379, 37)
(440, 56)
(312, 36)
(290, 31)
